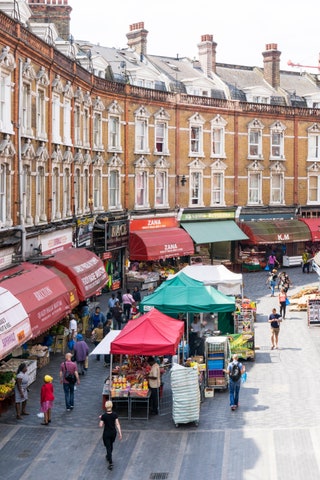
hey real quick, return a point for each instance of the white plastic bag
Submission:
(40, 415)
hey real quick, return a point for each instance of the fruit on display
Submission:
(7, 382)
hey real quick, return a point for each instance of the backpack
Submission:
(69, 377)
(235, 373)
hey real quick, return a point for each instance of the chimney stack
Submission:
(52, 11)
(271, 62)
(137, 38)
(207, 54)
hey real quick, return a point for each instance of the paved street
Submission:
(275, 434)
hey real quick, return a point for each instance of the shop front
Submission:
(215, 234)
(157, 246)
(46, 296)
(286, 238)
(110, 243)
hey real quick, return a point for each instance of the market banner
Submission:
(242, 344)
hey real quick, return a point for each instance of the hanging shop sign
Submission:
(84, 232)
(116, 234)
(53, 242)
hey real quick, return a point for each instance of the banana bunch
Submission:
(5, 389)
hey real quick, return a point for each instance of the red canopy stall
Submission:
(151, 334)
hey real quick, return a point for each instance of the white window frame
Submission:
(97, 130)
(5, 102)
(41, 114)
(97, 189)
(66, 212)
(254, 190)
(77, 125)
(26, 109)
(56, 138)
(217, 188)
(141, 135)
(277, 188)
(314, 189)
(277, 130)
(141, 189)
(114, 189)
(196, 185)
(67, 122)
(3, 193)
(161, 137)
(255, 129)
(86, 127)
(86, 190)
(218, 125)
(55, 205)
(41, 194)
(114, 138)
(161, 188)
(196, 123)
(26, 194)
(314, 143)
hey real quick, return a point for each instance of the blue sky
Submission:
(241, 29)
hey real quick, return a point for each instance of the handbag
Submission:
(287, 301)
(267, 268)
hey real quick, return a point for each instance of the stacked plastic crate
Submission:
(217, 357)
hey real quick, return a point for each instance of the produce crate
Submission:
(139, 393)
(119, 393)
(13, 364)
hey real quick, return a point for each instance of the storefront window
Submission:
(113, 266)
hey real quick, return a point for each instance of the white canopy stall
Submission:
(218, 276)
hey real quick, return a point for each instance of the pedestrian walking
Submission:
(283, 303)
(109, 420)
(97, 336)
(21, 391)
(136, 295)
(111, 303)
(80, 353)
(68, 377)
(73, 327)
(272, 261)
(274, 320)
(235, 370)
(272, 281)
(97, 317)
(127, 302)
(117, 316)
(46, 399)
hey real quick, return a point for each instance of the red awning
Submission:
(151, 334)
(314, 227)
(84, 268)
(160, 244)
(15, 328)
(42, 293)
(275, 231)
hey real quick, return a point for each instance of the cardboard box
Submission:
(209, 392)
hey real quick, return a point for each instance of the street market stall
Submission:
(219, 276)
(153, 334)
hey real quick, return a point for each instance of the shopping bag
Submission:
(287, 301)
(244, 377)
(267, 268)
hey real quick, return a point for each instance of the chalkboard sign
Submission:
(314, 311)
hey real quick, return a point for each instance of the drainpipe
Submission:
(20, 227)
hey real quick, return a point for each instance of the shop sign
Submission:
(84, 232)
(207, 216)
(55, 242)
(106, 255)
(283, 237)
(116, 234)
(153, 223)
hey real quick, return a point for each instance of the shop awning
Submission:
(314, 226)
(84, 268)
(42, 293)
(15, 328)
(276, 231)
(159, 244)
(214, 231)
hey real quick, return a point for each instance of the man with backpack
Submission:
(235, 370)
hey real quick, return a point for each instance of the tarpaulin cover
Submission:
(84, 268)
(151, 334)
(160, 244)
(15, 328)
(42, 293)
(225, 281)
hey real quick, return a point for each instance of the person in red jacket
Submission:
(46, 400)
